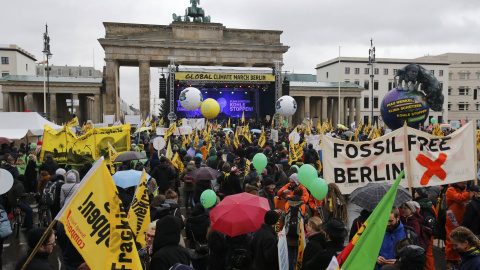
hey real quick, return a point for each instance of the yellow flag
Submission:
(170, 130)
(261, 140)
(169, 150)
(247, 166)
(112, 155)
(139, 213)
(96, 223)
(243, 117)
(180, 122)
(291, 153)
(273, 123)
(195, 141)
(228, 125)
(154, 126)
(177, 162)
(73, 122)
(160, 123)
(236, 141)
(301, 246)
(227, 138)
(319, 165)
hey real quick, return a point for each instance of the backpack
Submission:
(292, 220)
(411, 234)
(49, 193)
(429, 220)
(188, 180)
(5, 225)
(239, 258)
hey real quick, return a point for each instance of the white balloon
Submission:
(159, 143)
(286, 106)
(191, 98)
(294, 136)
(6, 181)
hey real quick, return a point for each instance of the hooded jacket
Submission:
(415, 221)
(189, 168)
(169, 207)
(470, 259)
(389, 241)
(166, 248)
(212, 155)
(154, 161)
(264, 248)
(281, 179)
(471, 218)
(311, 156)
(164, 175)
(69, 188)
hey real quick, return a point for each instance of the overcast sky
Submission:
(314, 29)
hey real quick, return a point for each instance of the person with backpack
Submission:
(51, 193)
(196, 228)
(427, 211)
(471, 218)
(456, 198)
(311, 155)
(164, 175)
(286, 191)
(169, 207)
(295, 209)
(188, 186)
(412, 218)
(264, 244)
(72, 180)
(239, 252)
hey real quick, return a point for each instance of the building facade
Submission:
(70, 71)
(357, 70)
(15, 61)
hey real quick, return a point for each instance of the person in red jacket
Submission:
(457, 199)
(286, 191)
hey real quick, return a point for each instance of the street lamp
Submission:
(46, 52)
(371, 61)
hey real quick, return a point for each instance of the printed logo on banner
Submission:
(433, 167)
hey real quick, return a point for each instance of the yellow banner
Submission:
(113, 155)
(66, 148)
(139, 213)
(96, 223)
(301, 246)
(73, 122)
(226, 77)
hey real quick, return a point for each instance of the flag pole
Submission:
(54, 222)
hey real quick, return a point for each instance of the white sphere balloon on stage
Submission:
(159, 143)
(286, 106)
(191, 98)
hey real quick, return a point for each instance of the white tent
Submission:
(18, 125)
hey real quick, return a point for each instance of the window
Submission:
(38, 71)
(357, 82)
(449, 91)
(463, 107)
(375, 102)
(390, 86)
(441, 86)
(366, 71)
(375, 70)
(347, 70)
(347, 81)
(395, 71)
(69, 72)
(432, 72)
(375, 85)
(449, 76)
(365, 119)
(327, 75)
(477, 107)
(463, 91)
(5, 74)
(449, 105)
(365, 102)
(26, 67)
(385, 71)
(464, 76)
(4, 60)
(79, 72)
(90, 72)
(440, 72)
(59, 72)
(366, 84)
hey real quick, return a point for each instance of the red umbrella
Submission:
(239, 214)
(5, 140)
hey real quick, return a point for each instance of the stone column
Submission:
(357, 110)
(6, 98)
(16, 102)
(351, 108)
(22, 102)
(111, 87)
(144, 73)
(96, 109)
(324, 109)
(53, 107)
(335, 111)
(319, 110)
(307, 107)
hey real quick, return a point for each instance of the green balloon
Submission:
(318, 188)
(208, 198)
(33, 145)
(307, 174)
(259, 162)
(233, 125)
(433, 120)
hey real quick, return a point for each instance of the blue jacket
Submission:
(389, 240)
(470, 259)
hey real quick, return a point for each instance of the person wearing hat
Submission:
(335, 233)
(232, 182)
(471, 218)
(72, 180)
(429, 214)
(264, 244)
(239, 163)
(268, 192)
(40, 260)
(410, 217)
(286, 191)
(196, 228)
(164, 175)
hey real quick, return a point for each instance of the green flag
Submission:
(365, 253)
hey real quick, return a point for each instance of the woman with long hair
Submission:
(468, 246)
(335, 205)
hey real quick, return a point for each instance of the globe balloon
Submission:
(286, 106)
(191, 98)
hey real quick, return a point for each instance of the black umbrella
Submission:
(204, 173)
(130, 155)
(370, 195)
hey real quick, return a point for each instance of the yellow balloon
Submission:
(210, 108)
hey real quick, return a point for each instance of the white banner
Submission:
(314, 140)
(109, 119)
(133, 119)
(282, 251)
(198, 123)
(436, 160)
(178, 131)
(274, 135)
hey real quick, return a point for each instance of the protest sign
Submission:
(274, 135)
(139, 213)
(109, 119)
(178, 131)
(282, 251)
(96, 223)
(133, 120)
(427, 160)
(314, 140)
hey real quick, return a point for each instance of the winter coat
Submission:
(311, 157)
(294, 201)
(212, 156)
(16, 195)
(67, 191)
(232, 185)
(166, 248)
(189, 168)
(44, 178)
(50, 165)
(471, 218)
(70, 255)
(11, 169)
(305, 194)
(218, 251)
(357, 223)
(315, 243)
(264, 248)
(169, 207)
(154, 161)
(470, 259)
(31, 176)
(322, 258)
(164, 175)
(213, 163)
(238, 242)
(281, 179)
(270, 198)
(415, 221)
(196, 229)
(457, 200)
(200, 187)
(389, 240)
(39, 261)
